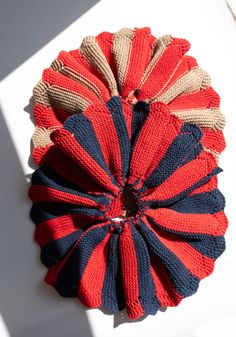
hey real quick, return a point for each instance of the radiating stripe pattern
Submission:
(127, 211)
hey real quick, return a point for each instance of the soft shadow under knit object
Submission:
(125, 199)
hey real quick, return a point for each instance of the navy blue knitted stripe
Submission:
(183, 280)
(46, 176)
(83, 131)
(182, 150)
(208, 245)
(177, 198)
(112, 291)
(56, 250)
(70, 275)
(201, 203)
(115, 107)
(44, 211)
(140, 113)
(147, 289)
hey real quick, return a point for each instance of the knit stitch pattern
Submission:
(125, 199)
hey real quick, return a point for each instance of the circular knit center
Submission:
(123, 206)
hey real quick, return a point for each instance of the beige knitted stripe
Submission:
(66, 100)
(122, 46)
(49, 95)
(41, 136)
(159, 49)
(95, 57)
(195, 79)
(40, 93)
(152, 99)
(215, 153)
(154, 48)
(82, 80)
(209, 118)
(58, 66)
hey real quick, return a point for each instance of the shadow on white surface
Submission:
(29, 109)
(28, 25)
(28, 306)
(122, 317)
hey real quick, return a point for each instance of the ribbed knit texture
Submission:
(125, 199)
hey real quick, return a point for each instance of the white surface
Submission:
(232, 7)
(30, 308)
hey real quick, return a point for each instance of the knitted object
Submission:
(125, 201)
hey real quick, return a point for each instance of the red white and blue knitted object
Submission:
(125, 199)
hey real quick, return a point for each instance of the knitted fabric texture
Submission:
(125, 199)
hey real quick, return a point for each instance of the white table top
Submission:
(28, 306)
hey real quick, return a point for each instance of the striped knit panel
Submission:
(107, 116)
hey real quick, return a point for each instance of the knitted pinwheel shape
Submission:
(125, 199)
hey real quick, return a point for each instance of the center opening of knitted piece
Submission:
(123, 206)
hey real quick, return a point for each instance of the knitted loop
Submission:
(125, 199)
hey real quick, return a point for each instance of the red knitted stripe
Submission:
(104, 128)
(164, 67)
(209, 186)
(212, 224)
(39, 193)
(129, 266)
(67, 168)
(83, 62)
(134, 73)
(213, 139)
(198, 264)
(56, 228)
(65, 141)
(193, 172)
(201, 99)
(166, 293)
(105, 42)
(90, 287)
(172, 131)
(60, 81)
(46, 116)
(184, 66)
(39, 152)
(151, 135)
(79, 69)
